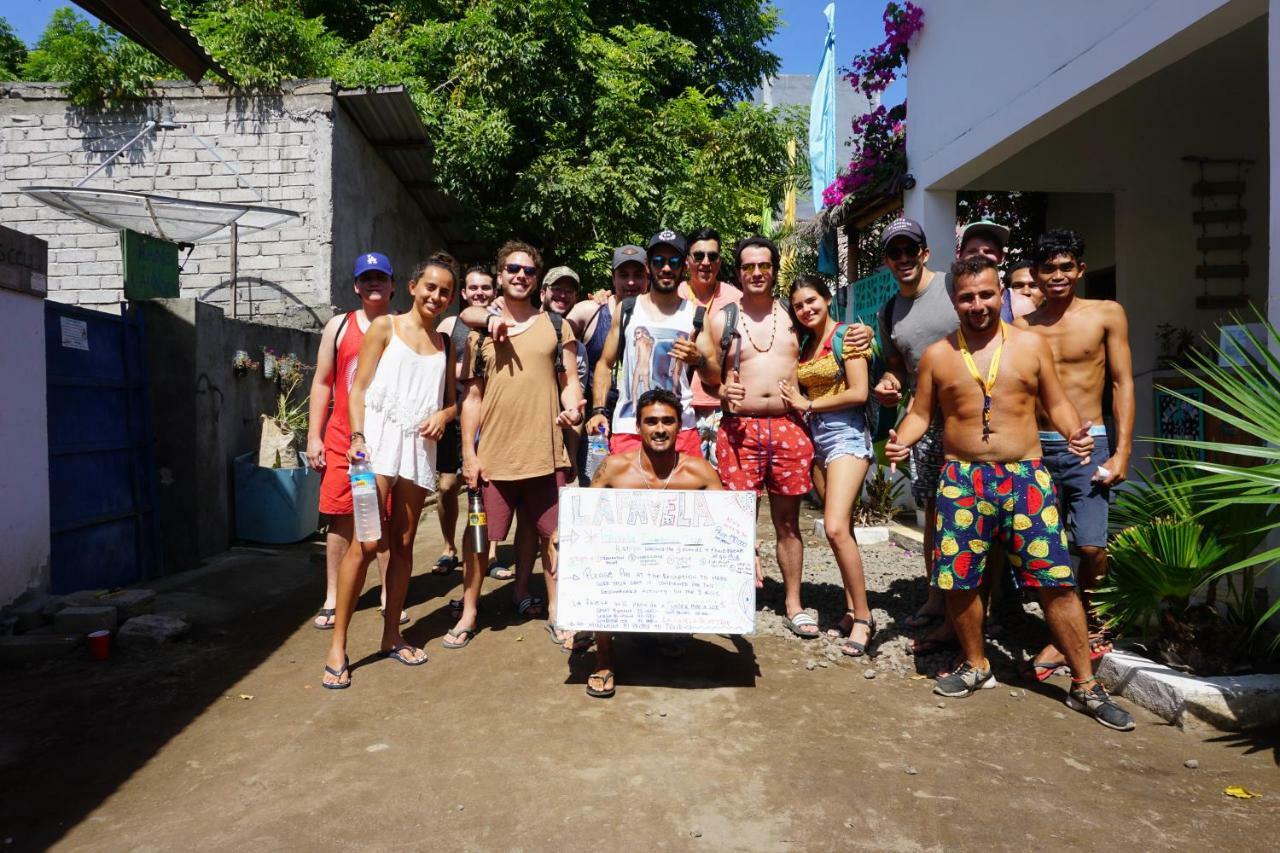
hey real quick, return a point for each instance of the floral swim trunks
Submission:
(980, 502)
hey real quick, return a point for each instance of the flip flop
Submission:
(922, 620)
(469, 633)
(394, 654)
(802, 619)
(337, 673)
(445, 564)
(500, 572)
(530, 602)
(1040, 671)
(606, 681)
(328, 613)
(404, 617)
(928, 646)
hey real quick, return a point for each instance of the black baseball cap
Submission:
(667, 237)
(908, 228)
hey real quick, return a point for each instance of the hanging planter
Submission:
(268, 363)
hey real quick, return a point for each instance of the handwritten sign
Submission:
(671, 562)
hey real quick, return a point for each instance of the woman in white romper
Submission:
(401, 400)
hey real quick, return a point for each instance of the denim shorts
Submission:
(839, 433)
(1085, 504)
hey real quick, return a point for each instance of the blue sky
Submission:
(858, 26)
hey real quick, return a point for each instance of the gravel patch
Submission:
(896, 588)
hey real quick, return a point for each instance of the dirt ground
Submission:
(764, 742)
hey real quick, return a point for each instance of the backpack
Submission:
(557, 357)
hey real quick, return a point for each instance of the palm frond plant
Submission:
(1236, 503)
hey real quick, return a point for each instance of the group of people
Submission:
(701, 384)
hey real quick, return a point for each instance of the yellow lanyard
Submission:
(989, 384)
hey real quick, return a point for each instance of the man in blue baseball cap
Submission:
(373, 261)
(329, 433)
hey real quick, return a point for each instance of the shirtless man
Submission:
(987, 378)
(1089, 339)
(760, 443)
(656, 464)
(1021, 279)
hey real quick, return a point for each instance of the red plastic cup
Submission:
(100, 644)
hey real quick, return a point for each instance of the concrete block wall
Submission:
(297, 148)
(281, 144)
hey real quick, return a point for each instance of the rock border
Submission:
(1232, 703)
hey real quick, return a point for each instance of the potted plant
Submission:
(277, 496)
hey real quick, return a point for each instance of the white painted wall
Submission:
(24, 476)
(988, 77)
(1130, 149)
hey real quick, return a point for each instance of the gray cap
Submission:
(996, 231)
(556, 273)
(903, 228)
(629, 254)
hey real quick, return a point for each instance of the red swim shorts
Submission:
(687, 442)
(758, 453)
(335, 484)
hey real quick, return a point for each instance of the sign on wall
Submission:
(654, 560)
(869, 295)
(150, 266)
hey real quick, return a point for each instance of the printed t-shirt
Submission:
(725, 293)
(647, 362)
(518, 435)
(918, 321)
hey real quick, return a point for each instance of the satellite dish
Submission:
(180, 220)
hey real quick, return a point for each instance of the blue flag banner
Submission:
(822, 116)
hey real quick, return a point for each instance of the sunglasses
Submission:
(759, 266)
(515, 268)
(710, 257)
(660, 261)
(911, 250)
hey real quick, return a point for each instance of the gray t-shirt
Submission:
(918, 321)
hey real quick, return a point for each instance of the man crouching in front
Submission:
(655, 464)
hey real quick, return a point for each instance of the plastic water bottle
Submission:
(597, 450)
(364, 501)
(477, 523)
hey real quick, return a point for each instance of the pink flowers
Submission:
(879, 135)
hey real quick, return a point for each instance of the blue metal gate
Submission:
(102, 485)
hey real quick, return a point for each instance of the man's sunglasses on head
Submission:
(660, 261)
(709, 257)
(758, 266)
(515, 268)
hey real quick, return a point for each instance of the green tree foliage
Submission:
(95, 63)
(262, 42)
(13, 53)
(576, 124)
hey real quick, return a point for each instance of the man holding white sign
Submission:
(656, 464)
